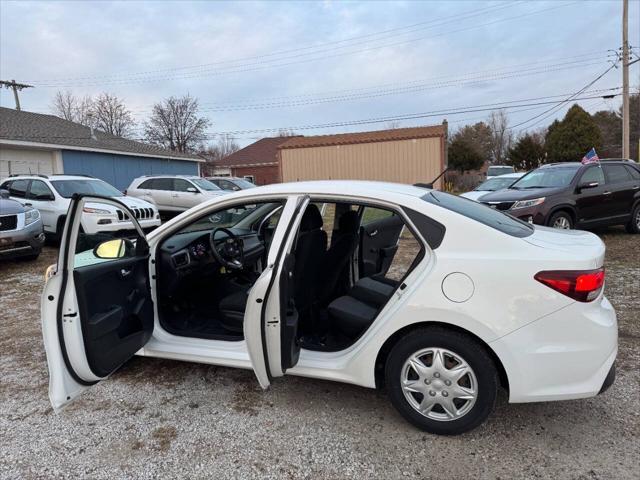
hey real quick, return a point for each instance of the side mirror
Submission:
(4, 194)
(115, 248)
(585, 186)
(192, 189)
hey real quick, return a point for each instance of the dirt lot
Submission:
(166, 419)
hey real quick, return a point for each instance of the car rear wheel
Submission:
(634, 224)
(441, 381)
(561, 220)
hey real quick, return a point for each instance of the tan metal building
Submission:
(404, 155)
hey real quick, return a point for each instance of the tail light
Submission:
(581, 285)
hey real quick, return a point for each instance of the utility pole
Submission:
(16, 87)
(625, 79)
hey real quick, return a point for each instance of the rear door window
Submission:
(18, 188)
(635, 174)
(617, 173)
(181, 185)
(480, 213)
(148, 185)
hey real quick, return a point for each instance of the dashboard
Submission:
(189, 253)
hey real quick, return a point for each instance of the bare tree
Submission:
(392, 125)
(286, 132)
(501, 136)
(75, 109)
(112, 116)
(174, 124)
(224, 146)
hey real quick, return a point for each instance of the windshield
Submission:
(67, 188)
(243, 183)
(494, 171)
(480, 213)
(546, 177)
(494, 184)
(204, 184)
(231, 217)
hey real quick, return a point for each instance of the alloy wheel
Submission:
(562, 223)
(439, 384)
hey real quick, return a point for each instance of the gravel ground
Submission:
(168, 419)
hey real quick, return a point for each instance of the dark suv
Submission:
(569, 195)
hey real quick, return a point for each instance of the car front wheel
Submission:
(441, 381)
(561, 220)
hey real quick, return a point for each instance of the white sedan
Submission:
(436, 298)
(493, 184)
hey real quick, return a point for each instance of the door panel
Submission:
(592, 204)
(96, 307)
(271, 331)
(378, 242)
(620, 184)
(115, 311)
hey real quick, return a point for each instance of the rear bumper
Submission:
(609, 379)
(566, 355)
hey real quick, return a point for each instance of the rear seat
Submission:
(353, 313)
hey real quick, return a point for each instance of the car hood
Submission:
(511, 194)
(133, 202)
(10, 207)
(586, 245)
(215, 193)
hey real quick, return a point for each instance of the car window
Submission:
(593, 174)
(181, 185)
(372, 214)
(67, 188)
(547, 177)
(227, 185)
(493, 184)
(617, 173)
(40, 191)
(162, 184)
(205, 184)
(148, 185)
(243, 183)
(634, 173)
(18, 188)
(238, 216)
(480, 213)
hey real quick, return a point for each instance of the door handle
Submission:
(373, 234)
(124, 273)
(636, 187)
(606, 193)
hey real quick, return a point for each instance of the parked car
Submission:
(51, 196)
(492, 184)
(173, 193)
(231, 183)
(21, 233)
(497, 170)
(573, 195)
(481, 299)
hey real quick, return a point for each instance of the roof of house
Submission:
(365, 137)
(261, 153)
(21, 128)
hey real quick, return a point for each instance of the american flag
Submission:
(590, 157)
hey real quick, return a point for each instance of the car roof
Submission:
(167, 175)
(36, 176)
(511, 175)
(331, 187)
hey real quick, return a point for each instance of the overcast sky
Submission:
(266, 65)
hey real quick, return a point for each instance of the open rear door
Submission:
(97, 310)
(271, 319)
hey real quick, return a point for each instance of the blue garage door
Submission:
(120, 170)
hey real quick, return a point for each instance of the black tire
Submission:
(559, 217)
(634, 223)
(29, 258)
(475, 356)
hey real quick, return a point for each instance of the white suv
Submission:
(52, 194)
(173, 193)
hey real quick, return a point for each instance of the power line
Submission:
(268, 64)
(16, 87)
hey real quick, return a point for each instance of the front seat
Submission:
(334, 274)
(309, 253)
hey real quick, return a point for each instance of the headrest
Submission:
(311, 219)
(348, 222)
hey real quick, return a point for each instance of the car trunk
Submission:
(577, 244)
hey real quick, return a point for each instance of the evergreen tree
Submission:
(569, 139)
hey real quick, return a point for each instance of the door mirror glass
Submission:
(113, 249)
(192, 189)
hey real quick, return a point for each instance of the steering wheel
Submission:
(230, 254)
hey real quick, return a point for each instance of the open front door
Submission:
(271, 319)
(96, 307)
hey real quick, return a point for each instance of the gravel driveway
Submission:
(168, 419)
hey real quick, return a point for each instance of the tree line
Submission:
(565, 140)
(174, 123)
